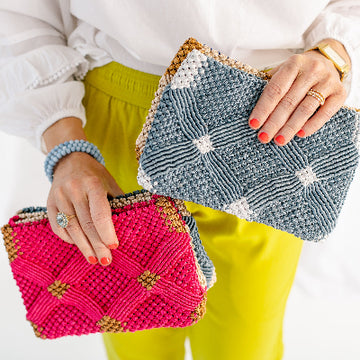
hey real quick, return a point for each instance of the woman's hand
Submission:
(80, 187)
(284, 108)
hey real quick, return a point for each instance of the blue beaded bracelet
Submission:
(66, 148)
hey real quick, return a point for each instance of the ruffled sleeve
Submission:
(340, 20)
(39, 73)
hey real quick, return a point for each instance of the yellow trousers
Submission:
(255, 264)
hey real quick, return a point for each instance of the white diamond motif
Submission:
(240, 208)
(306, 176)
(189, 70)
(204, 144)
(144, 180)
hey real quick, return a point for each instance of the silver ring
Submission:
(63, 220)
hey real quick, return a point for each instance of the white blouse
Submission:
(47, 47)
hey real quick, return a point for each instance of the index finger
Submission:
(101, 215)
(274, 91)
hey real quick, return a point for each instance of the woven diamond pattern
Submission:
(155, 278)
(197, 146)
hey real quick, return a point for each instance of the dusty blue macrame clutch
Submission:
(197, 146)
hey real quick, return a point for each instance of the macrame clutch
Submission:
(196, 145)
(158, 277)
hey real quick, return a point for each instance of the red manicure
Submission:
(280, 139)
(113, 246)
(263, 136)
(301, 133)
(92, 260)
(105, 261)
(254, 123)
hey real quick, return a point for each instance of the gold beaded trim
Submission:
(30, 216)
(58, 289)
(181, 207)
(115, 203)
(38, 330)
(213, 280)
(181, 55)
(140, 141)
(171, 215)
(148, 279)
(233, 63)
(200, 311)
(188, 46)
(192, 44)
(107, 324)
(121, 202)
(351, 108)
(9, 243)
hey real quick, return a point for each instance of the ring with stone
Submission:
(63, 220)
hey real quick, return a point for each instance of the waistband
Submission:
(126, 84)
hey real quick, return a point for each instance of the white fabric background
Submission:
(322, 319)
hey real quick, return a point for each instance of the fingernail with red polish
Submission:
(301, 133)
(113, 246)
(92, 259)
(263, 136)
(254, 123)
(105, 261)
(280, 139)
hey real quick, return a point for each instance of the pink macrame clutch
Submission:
(154, 280)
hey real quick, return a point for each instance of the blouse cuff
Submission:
(341, 33)
(75, 112)
(32, 113)
(38, 89)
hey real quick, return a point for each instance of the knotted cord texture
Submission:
(196, 145)
(155, 278)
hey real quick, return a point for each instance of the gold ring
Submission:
(317, 95)
(63, 220)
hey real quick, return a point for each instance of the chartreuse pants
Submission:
(255, 264)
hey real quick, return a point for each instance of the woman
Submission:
(119, 50)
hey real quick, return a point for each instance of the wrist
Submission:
(65, 149)
(340, 48)
(66, 129)
(334, 51)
